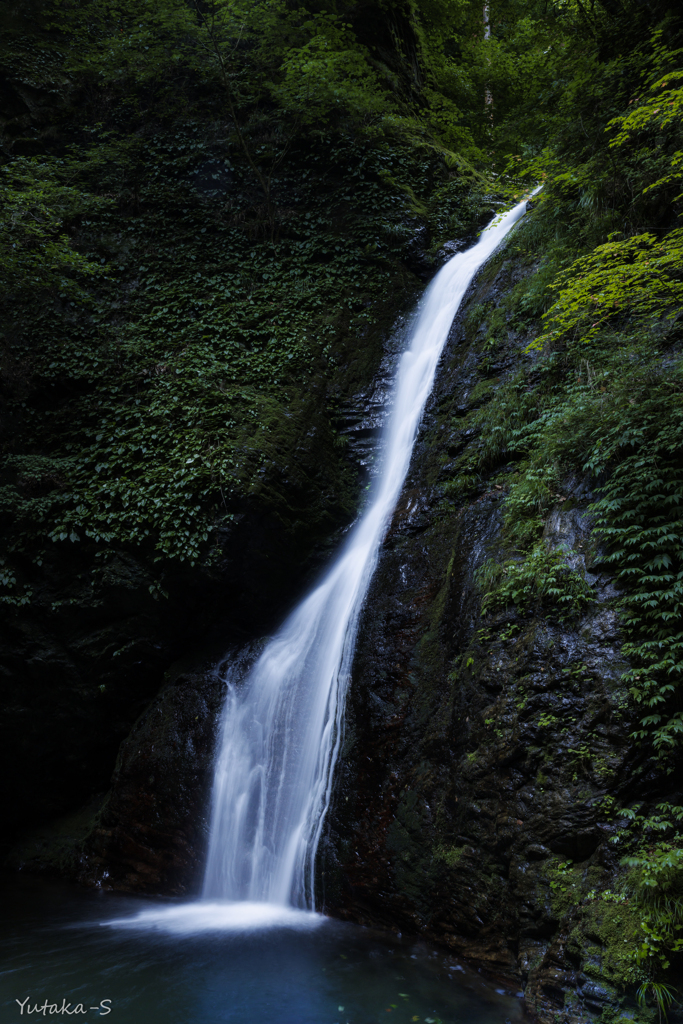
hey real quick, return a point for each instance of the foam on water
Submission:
(223, 916)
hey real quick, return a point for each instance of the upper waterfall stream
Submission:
(282, 724)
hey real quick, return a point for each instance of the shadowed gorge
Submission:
(217, 222)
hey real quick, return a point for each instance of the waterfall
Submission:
(282, 725)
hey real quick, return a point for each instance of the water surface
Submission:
(160, 963)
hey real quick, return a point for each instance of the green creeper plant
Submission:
(35, 206)
(657, 111)
(542, 578)
(637, 278)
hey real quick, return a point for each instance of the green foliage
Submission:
(639, 516)
(456, 206)
(655, 860)
(451, 856)
(184, 282)
(638, 279)
(657, 113)
(663, 995)
(185, 364)
(635, 437)
(319, 80)
(542, 579)
(604, 401)
(565, 884)
(35, 206)
(598, 405)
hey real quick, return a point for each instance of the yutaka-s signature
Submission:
(66, 1008)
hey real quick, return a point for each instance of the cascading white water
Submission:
(282, 725)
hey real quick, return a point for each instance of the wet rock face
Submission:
(151, 833)
(481, 753)
(148, 832)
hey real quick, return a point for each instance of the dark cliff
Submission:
(486, 752)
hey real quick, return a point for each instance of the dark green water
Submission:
(54, 946)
